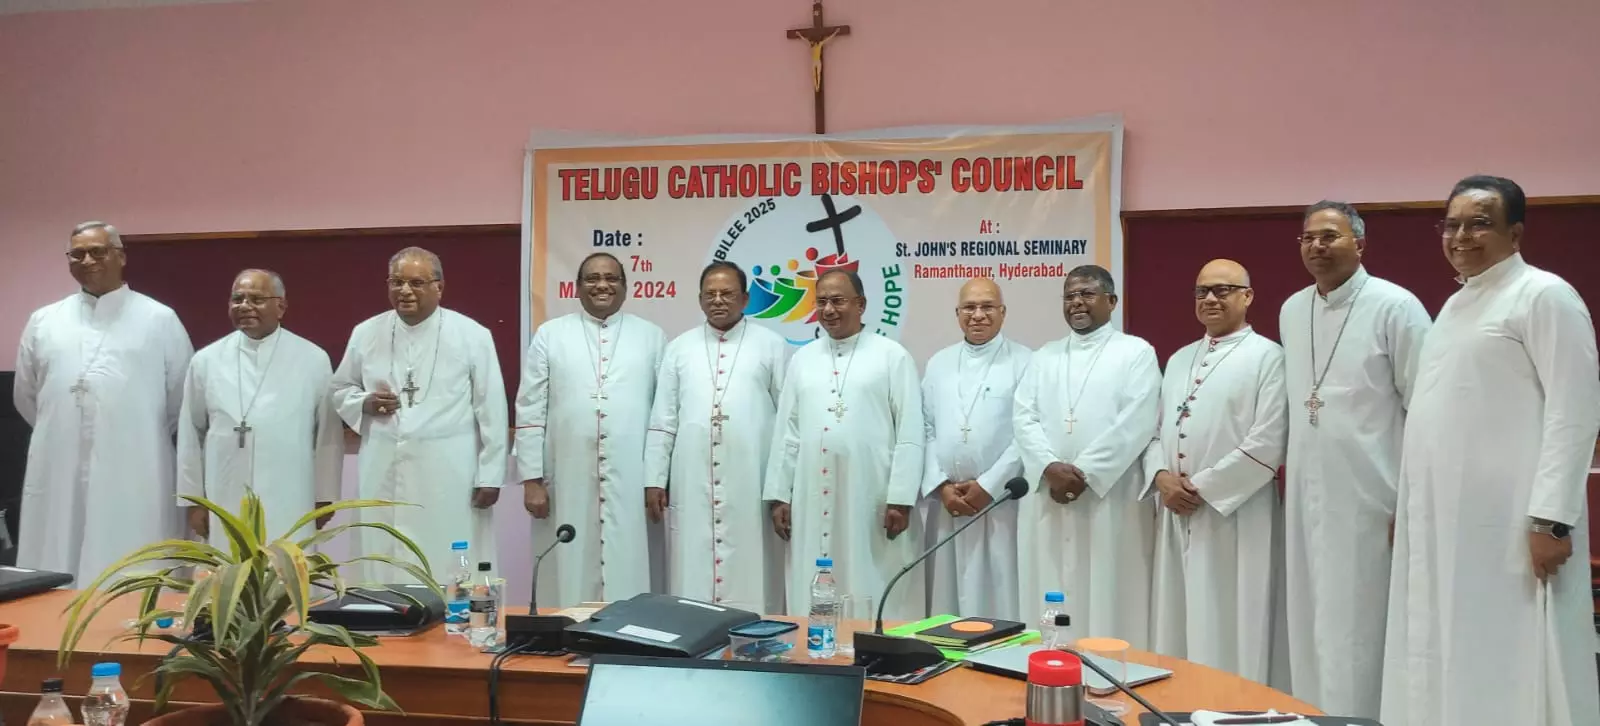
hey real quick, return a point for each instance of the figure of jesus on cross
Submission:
(818, 35)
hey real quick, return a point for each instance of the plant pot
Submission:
(293, 712)
(8, 635)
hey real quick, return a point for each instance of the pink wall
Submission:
(294, 113)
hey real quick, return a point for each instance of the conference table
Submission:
(437, 679)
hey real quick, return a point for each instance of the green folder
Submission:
(911, 629)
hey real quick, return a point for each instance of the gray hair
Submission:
(112, 235)
(277, 280)
(433, 259)
(1358, 227)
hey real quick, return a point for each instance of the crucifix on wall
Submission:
(817, 35)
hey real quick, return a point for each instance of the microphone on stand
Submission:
(564, 533)
(535, 632)
(894, 655)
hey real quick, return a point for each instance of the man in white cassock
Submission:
(846, 464)
(1350, 344)
(1218, 585)
(1085, 413)
(706, 451)
(257, 415)
(422, 386)
(583, 407)
(970, 455)
(1490, 613)
(100, 379)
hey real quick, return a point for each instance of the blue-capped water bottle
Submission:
(458, 606)
(824, 621)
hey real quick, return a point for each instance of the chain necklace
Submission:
(1194, 386)
(238, 367)
(983, 380)
(411, 388)
(838, 407)
(597, 359)
(1315, 403)
(717, 417)
(81, 387)
(1074, 400)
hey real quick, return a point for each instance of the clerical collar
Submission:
(843, 342)
(254, 344)
(95, 300)
(1097, 336)
(435, 315)
(1342, 294)
(1231, 337)
(1497, 272)
(725, 334)
(998, 340)
(602, 322)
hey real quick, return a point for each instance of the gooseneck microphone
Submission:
(1017, 488)
(891, 655)
(564, 533)
(535, 633)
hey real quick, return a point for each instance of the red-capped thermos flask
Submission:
(1055, 689)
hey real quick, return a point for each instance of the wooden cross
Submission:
(817, 35)
(410, 390)
(242, 429)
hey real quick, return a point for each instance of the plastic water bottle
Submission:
(458, 606)
(1052, 635)
(106, 704)
(824, 621)
(52, 710)
(483, 622)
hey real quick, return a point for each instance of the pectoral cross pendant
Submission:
(410, 390)
(717, 417)
(242, 429)
(838, 409)
(1313, 404)
(965, 431)
(597, 397)
(78, 389)
(1071, 420)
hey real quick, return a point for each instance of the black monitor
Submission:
(642, 691)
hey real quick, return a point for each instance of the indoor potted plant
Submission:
(253, 599)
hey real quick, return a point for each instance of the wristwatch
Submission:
(1554, 529)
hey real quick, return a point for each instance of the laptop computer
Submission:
(1013, 662)
(626, 690)
(19, 582)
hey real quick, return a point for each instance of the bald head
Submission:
(980, 310)
(1226, 272)
(1222, 297)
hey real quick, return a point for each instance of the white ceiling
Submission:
(12, 7)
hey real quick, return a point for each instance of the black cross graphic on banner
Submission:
(835, 221)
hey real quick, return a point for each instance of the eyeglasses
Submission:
(100, 254)
(834, 302)
(1328, 239)
(254, 301)
(1222, 292)
(971, 309)
(597, 279)
(1475, 226)
(396, 283)
(719, 296)
(1087, 296)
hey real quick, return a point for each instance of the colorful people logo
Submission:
(789, 294)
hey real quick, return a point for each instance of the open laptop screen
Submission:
(637, 691)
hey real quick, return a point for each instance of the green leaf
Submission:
(419, 574)
(369, 694)
(230, 588)
(289, 562)
(243, 543)
(317, 513)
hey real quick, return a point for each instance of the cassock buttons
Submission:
(719, 559)
(1180, 455)
(719, 580)
(719, 541)
(602, 500)
(602, 437)
(716, 463)
(716, 482)
(1183, 436)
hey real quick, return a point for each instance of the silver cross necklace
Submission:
(718, 392)
(238, 366)
(1315, 403)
